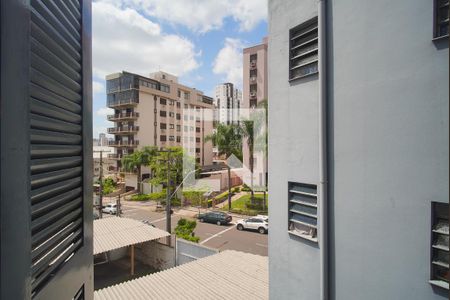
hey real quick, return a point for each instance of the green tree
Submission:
(185, 229)
(137, 159)
(159, 166)
(227, 139)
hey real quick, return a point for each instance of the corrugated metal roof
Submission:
(114, 232)
(226, 275)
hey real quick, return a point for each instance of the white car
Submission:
(110, 209)
(259, 223)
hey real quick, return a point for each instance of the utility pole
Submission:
(118, 206)
(100, 198)
(168, 206)
(229, 187)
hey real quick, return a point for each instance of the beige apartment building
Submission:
(158, 111)
(254, 91)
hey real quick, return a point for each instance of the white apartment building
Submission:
(227, 103)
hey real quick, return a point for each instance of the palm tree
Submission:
(136, 160)
(227, 139)
(247, 129)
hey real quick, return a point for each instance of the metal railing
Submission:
(123, 143)
(123, 129)
(130, 115)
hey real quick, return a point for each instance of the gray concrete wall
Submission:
(293, 155)
(389, 152)
(155, 254)
(388, 149)
(189, 251)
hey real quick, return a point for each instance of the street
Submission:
(211, 235)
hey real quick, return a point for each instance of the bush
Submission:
(140, 197)
(185, 230)
(236, 189)
(152, 196)
(173, 202)
(246, 188)
(194, 197)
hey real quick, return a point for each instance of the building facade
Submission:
(103, 161)
(158, 111)
(227, 103)
(254, 92)
(358, 149)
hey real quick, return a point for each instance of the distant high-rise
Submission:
(102, 140)
(227, 102)
(255, 74)
(255, 91)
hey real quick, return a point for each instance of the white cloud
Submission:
(123, 39)
(203, 15)
(97, 87)
(104, 111)
(229, 61)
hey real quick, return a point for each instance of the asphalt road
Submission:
(211, 235)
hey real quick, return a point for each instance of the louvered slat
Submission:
(56, 137)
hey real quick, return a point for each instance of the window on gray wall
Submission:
(304, 50)
(439, 245)
(302, 203)
(441, 16)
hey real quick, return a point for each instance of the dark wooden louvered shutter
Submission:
(57, 149)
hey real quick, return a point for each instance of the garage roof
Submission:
(114, 232)
(226, 275)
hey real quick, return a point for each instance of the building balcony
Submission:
(123, 130)
(115, 156)
(122, 103)
(123, 143)
(252, 64)
(252, 94)
(253, 79)
(123, 116)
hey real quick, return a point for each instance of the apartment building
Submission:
(255, 74)
(227, 102)
(359, 149)
(158, 111)
(255, 91)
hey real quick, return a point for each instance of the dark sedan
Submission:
(217, 217)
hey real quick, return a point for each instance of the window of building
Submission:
(162, 101)
(178, 116)
(162, 138)
(253, 58)
(197, 160)
(171, 138)
(178, 127)
(197, 150)
(197, 140)
(302, 210)
(165, 88)
(441, 17)
(162, 125)
(178, 105)
(439, 245)
(187, 95)
(303, 50)
(171, 114)
(178, 139)
(171, 126)
(253, 73)
(162, 113)
(185, 117)
(197, 129)
(171, 102)
(185, 129)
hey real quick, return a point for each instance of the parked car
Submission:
(110, 209)
(259, 223)
(217, 217)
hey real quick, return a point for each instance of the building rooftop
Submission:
(226, 275)
(114, 233)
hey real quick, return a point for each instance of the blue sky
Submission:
(201, 41)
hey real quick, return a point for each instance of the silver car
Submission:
(259, 223)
